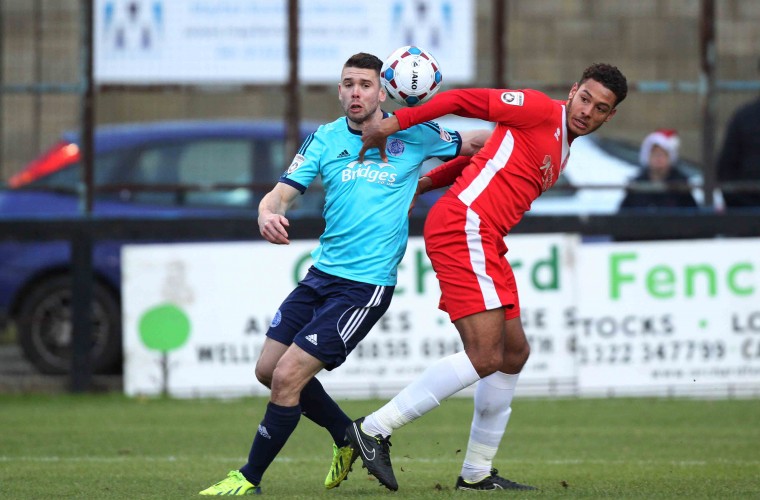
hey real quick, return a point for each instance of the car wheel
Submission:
(45, 333)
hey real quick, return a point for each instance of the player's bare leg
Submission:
(271, 353)
(484, 337)
(516, 347)
(294, 385)
(493, 399)
(293, 371)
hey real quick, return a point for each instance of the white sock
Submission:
(440, 380)
(493, 400)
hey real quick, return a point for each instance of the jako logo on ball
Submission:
(411, 75)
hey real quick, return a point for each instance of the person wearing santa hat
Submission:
(660, 184)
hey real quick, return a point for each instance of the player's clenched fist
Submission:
(272, 228)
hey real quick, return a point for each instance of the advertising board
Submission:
(196, 315)
(148, 42)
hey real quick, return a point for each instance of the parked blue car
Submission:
(171, 169)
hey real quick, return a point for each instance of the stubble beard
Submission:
(359, 119)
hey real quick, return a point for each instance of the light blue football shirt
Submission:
(366, 205)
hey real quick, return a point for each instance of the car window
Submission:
(152, 166)
(201, 163)
(155, 165)
(183, 173)
(270, 159)
(215, 161)
(210, 162)
(271, 163)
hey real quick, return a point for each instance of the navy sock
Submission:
(321, 409)
(274, 430)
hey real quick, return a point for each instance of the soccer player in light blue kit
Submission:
(350, 285)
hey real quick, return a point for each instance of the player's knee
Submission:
(515, 358)
(523, 355)
(263, 375)
(486, 362)
(286, 385)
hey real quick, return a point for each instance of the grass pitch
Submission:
(110, 446)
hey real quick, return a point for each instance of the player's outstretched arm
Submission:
(374, 136)
(272, 220)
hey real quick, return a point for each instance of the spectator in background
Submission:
(739, 159)
(660, 184)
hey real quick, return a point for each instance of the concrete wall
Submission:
(549, 43)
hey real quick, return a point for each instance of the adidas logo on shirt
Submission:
(344, 154)
(312, 338)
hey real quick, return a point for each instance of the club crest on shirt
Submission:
(297, 161)
(547, 173)
(395, 147)
(513, 98)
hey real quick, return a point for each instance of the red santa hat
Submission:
(666, 138)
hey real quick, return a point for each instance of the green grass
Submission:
(109, 446)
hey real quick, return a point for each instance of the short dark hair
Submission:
(363, 60)
(610, 77)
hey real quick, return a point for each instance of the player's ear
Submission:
(612, 113)
(573, 90)
(382, 95)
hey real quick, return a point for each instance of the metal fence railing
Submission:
(46, 86)
(42, 76)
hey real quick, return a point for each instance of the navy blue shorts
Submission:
(328, 316)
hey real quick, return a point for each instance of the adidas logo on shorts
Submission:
(312, 338)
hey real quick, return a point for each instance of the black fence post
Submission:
(82, 241)
(81, 313)
(707, 96)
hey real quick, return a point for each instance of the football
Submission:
(411, 75)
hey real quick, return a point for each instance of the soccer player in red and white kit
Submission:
(464, 238)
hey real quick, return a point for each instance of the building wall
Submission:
(549, 42)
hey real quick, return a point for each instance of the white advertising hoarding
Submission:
(245, 41)
(195, 317)
(669, 318)
(414, 332)
(644, 318)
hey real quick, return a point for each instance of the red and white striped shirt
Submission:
(524, 156)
